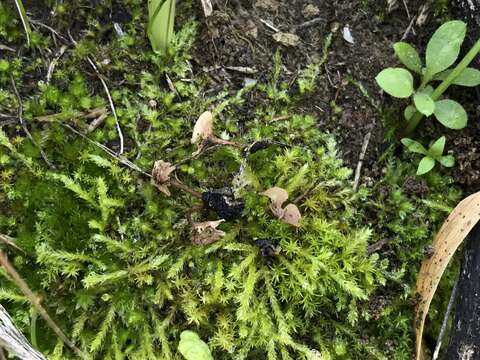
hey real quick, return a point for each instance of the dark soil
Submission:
(236, 36)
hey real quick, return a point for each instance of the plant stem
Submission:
(417, 117)
(33, 329)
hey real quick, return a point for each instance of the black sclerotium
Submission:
(260, 145)
(223, 203)
(268, 247)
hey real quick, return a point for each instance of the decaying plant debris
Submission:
(203, 193)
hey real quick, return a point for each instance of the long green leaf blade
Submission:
(24, 18)
(161, 21)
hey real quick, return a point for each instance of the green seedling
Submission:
(161, 17)
(432, 155)
(192, 347)
(442, 52)
(24, 18)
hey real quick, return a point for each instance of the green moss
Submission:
(112, 257)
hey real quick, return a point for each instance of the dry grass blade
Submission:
(207, 7)
(35, 302)
(13, 340)
(9, 241)
(452, 233)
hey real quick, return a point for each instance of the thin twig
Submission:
(409, 28)
(185, 188)
(358, 171)
(406, 8)
(24, 126)
(110, 152)
(112, 106)
(10, 241)
(445, 321)
(270, 26)
(309, 23)
(54, 62)
(52, 30)
(107, 91)
(35, 301)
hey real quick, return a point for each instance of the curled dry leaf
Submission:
(203, 128)
(203, 134)
(277, 195)
(290, 214)
(204, 233)
(452, 233)
(161, 175)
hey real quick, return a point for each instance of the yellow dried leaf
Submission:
(452, 233)
(203, 128)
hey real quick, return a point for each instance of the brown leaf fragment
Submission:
(292, 215)
(277, 195)
(204, 233)
(161, 175)
(451, 235)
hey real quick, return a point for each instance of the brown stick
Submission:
(24, 126)
(35, 301)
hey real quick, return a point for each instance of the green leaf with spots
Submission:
(450, 114)
(444, 46)
(426, 164)
(408, 56)
(436, 150)
(447, 160)
(414, 146)
(396, 82)
(424, 103)
(468, 77)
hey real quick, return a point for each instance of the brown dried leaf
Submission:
(452, 233)
(292, 215)
(277, 195)
(161, 175)
(204, 233)
(203, 128)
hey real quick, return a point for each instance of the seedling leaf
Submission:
(414, 146)
(408, 56)
(450, 114)
(396, 82)
(468, 77)
(447, 160)
(425, 165)
(409, 111)
(424, 103)
(454, 230)
(192, 347)
(444, 46)
(24, 18)
(436, 150)
(161, 16)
